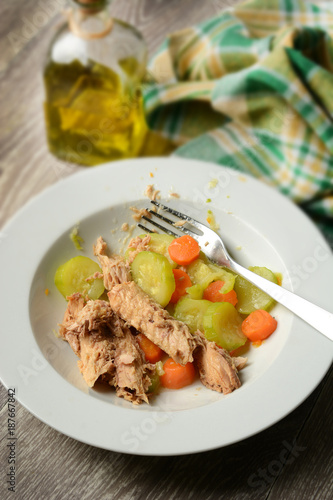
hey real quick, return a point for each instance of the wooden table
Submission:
(291, 460)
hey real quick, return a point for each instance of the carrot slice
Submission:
(183, 281)
(259, 325)
(184, 250)
(152, 352)
(212, 293)
(177, 376)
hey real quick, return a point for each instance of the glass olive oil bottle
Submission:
(93, 105)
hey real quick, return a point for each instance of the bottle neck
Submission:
(90, 19)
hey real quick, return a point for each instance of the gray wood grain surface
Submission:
(290, 460)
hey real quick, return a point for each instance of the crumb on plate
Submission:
(212, 183)
(151, 192)
(139, 213)
(212, 221)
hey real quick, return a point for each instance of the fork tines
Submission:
(177, 224)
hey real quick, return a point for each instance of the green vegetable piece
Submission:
(153, 273)
(128, 252)
(223, 324)
(76, 238)
(191, 312)
(159, 243)
(71, 278)
(155, 383)
(195, 292)
(203, 273)
(249, 296)
(155, 379)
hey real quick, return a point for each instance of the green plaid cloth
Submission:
(252, 89)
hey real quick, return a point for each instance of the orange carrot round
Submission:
(212, 293)
(184, 250)
(183, 281)
(259, 325)
(177, 376)
(152, 352)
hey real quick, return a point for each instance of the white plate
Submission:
(260, 226)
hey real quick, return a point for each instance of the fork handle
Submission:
(317, 317)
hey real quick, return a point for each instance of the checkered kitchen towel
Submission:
(252, 88)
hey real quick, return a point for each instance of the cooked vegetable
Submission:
(71, 277)
(195, 292)
(191, 312)
(159, 243)
(259, 325)
(183, 281)
(249, 296)
(153, 273)
(184, 250)
(155, 383)
(212, 221)
(155, 379)
(76, 238)
(242, 350)
(203, 273)
(223, 324)
(213, 293)
(152, 352)
(177, 376)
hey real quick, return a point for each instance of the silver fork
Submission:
(213, 246)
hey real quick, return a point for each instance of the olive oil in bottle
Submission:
(93, 106)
